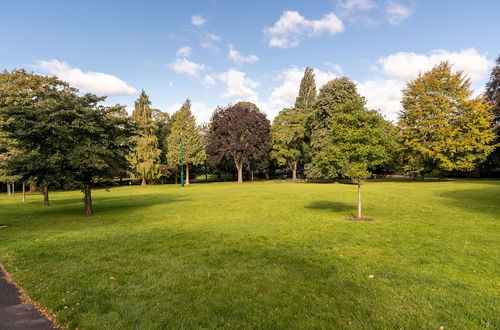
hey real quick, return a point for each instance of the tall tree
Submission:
(163, 123)
(442, 127)
(100, 138)
(241, 134)
(492, 164)
(332, 96)
(307, 91)
(145, 157)
(193, 148)
(33, 110)
(288, 132)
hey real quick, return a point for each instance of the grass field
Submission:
(262, 255)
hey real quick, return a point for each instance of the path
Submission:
(16, 315)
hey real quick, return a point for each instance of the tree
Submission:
(192, 143)
(241, 134)
(100, 137)
(288, 132)
(442, 127)
(145, 157)
(332, 97)
(33, 112)
(492, 164)
(163, 123)
(307, 92)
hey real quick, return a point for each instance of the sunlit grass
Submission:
(262, 255)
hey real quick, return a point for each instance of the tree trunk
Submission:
(45, 188)
(8, 189)
(239, 167)
(143, 181)
(32, 187)
(187, 175)
(13, 189)
(88, 199)
(421, 177)
(294, 172)
(24, 192)
(206, 174)
(176, 177)
(359, 198)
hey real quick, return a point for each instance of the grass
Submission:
(262, 255)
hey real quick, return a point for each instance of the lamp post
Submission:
(181, 158)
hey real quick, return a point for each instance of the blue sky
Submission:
(220, 52)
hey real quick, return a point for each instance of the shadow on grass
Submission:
(337, 207)
(485, 199)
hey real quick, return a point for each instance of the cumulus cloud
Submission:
(238, 85)
(214, 37)
(407, 65)
(396, 13)
(385, 93)
(184, 51)
(208, 80)
(292, 27)
(187, 67)
(86, 81)
(197, 20)
(238, 58)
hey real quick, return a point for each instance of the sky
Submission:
(220, 52)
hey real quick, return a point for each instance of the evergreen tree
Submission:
(193, 147)
(307, 91)
(442, 127)
(145, 156)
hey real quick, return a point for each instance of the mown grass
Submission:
(262, 255)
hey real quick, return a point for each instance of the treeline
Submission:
(53, 136)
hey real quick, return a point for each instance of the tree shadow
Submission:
(483, 200)
(332, 206)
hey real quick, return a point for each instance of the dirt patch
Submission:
(361, 219)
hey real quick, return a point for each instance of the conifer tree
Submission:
(307, 91)
(442, 127)
(193, 148)
(145, 156)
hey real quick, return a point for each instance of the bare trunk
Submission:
(32, 187)
(24, 192)
(294, 172)
(45, 188)
(239, 167)
(359, 198)
(8, 189)
(87, 190)
(143, 181)
(13, 189)
(187, 174)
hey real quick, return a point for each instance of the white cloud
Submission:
(407, 65)
(238, 58)
(396, 13)
(184, 51)
(335, 68)
(292, 27)
(209, 80)
(238, 85)
(354, 5)
(184, 66)
(214, 37)
(383, 95)
(197, 20)
(87, 82)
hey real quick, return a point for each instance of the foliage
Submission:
(492, 165)
(145, 156)
(442, 127)
(240, 134)
(307, 92)
(193, 149)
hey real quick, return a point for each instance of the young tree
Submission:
(193, 147)
(241, 134)
(442, 127)
(145, 157)
(100, 145)
(33, 110)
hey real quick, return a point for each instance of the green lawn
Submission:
(262, 255)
